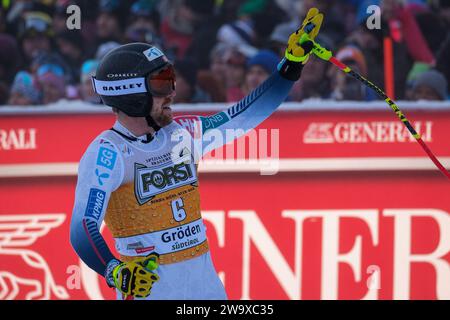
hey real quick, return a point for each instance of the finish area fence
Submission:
(323, 200)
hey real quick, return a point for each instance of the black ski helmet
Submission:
(121, 77)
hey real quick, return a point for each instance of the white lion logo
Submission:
(16, 233)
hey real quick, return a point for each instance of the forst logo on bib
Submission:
(166, 177)
(150, 182)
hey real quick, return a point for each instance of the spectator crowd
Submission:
(222, 49)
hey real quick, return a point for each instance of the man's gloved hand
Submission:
(299, 44)
(134, 277)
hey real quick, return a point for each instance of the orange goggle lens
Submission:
(162, 84)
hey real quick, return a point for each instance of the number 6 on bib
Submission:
(178, 212)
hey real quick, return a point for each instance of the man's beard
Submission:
(164, 117)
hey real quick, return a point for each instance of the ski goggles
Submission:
(52, 68)
(162, 84)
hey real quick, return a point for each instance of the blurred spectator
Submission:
(417, 69)
(263, 16)
(9, 62)
(56, 61)
(139, 34)
(187, 88)
(208, 83)
(60, 16)
(205, 36)
(213, 80)
(443, 61)
(434, 24)
(70, 46)
(2, 21)
(86, 90)
(36, 35)
(218, 64)
(220, 36)
(314, 82)
(277, 40)
(144, 15)
(334, 25)
(181, 21)
(370, 42)
(228, 10)
(438, 27)
(409, 44)
(291, 8)
(105, 48)
(24, 91)
(144, 23)
(51, 83)
(430, 85)
(344, 87)
(259, 68)
(234, 73)
(110, 21)
(240, 34)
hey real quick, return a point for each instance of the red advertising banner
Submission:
(43, 138)
(355, 211)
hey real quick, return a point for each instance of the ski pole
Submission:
(327, 55)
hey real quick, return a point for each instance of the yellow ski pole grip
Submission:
(321, 52)
(318, 50)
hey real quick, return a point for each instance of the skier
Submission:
(131, 177)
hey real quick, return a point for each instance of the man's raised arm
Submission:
(259, 104)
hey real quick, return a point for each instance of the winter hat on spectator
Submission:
(352, 53)
(115, 8)
(36, 23)
(432, 79)
(24, 84)
(250, 7)
(143, 7)
(267, 59)
(50, 68)
(148, 9)
(417, 69)
(50, 59)
(188, 70)
(104, 48)
(282, 32)
(239, 33)
(88, 70)
(112, 6)
(53, 75)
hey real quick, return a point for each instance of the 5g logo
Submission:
(74, 20)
